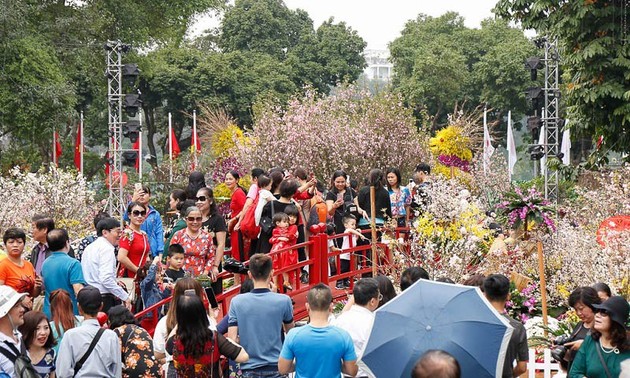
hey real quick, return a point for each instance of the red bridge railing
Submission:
(320, 258)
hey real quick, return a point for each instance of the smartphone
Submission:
(411, 181)
(137, 186)
(339, 197)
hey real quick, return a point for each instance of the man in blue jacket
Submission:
(153, 222)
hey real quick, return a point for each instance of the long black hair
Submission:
(237, 177)
(396, 172)
(335, 175)
(196, 181)
(192, 325)
(119, 315)
(210, 194)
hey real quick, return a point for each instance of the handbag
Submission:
(233, 266)
(349, 207)
(266, 223)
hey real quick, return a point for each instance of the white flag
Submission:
(541, 142)
(511, 146)
(488, 150)
(565, 147)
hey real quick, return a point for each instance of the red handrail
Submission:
(318, 267)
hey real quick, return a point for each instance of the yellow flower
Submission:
(451, 141)
(562, 290)
(223, 143)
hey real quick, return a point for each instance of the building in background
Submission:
(378, 65)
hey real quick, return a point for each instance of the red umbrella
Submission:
(618, 223)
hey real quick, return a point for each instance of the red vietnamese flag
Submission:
(196, 141)
(78, 149)
(57, 151)
(107, 164)
(136, 147)
(174, 145)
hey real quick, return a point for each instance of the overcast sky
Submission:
(380, 22)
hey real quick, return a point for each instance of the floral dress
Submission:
(137, 352)
(400, 199)
(206, 365)
(198, 251)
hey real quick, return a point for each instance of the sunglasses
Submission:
(194, 219)
(602, 312)
(138, 213)
(201, 199)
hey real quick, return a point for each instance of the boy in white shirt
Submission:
(264, 196)
(349, 241)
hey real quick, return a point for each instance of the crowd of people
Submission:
(68, 311)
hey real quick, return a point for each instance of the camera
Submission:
(559, 352)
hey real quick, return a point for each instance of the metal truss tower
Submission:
(114, 50)
(550, 116)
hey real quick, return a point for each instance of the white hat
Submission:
(8, 298)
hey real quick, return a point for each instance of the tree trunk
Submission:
(436, 117)
(151, 129)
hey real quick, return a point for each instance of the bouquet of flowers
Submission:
(529, 208)
(452, 149)
(523, 304)
(449, 238)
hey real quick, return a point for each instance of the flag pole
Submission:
(81, 145)
(55, 148)
(510, 135)
(140, 147)
(170, 147)
(195, 136)
(485, 148)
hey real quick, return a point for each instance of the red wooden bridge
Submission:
(318, 263)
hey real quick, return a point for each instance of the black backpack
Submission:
(23, 366)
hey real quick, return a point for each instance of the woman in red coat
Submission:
(237, 202)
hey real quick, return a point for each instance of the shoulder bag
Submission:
(80, 363)
(266, 223)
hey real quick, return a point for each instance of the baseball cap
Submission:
(90, 299)
(617, 308)
(8, 298)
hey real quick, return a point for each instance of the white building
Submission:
(378, 65)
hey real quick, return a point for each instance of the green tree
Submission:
(439, 63)
(52, 60)
(595, 58)
(320, 58)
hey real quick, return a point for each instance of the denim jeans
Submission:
(262, 374)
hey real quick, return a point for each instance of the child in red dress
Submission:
(282, 236)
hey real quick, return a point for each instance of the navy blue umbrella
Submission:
(434, 315)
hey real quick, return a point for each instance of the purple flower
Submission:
(523, 318)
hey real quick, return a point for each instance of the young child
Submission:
(264, 196)
(150, 290)
(350, 241)
(174, 263)
(292, 257)
(282, 236)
